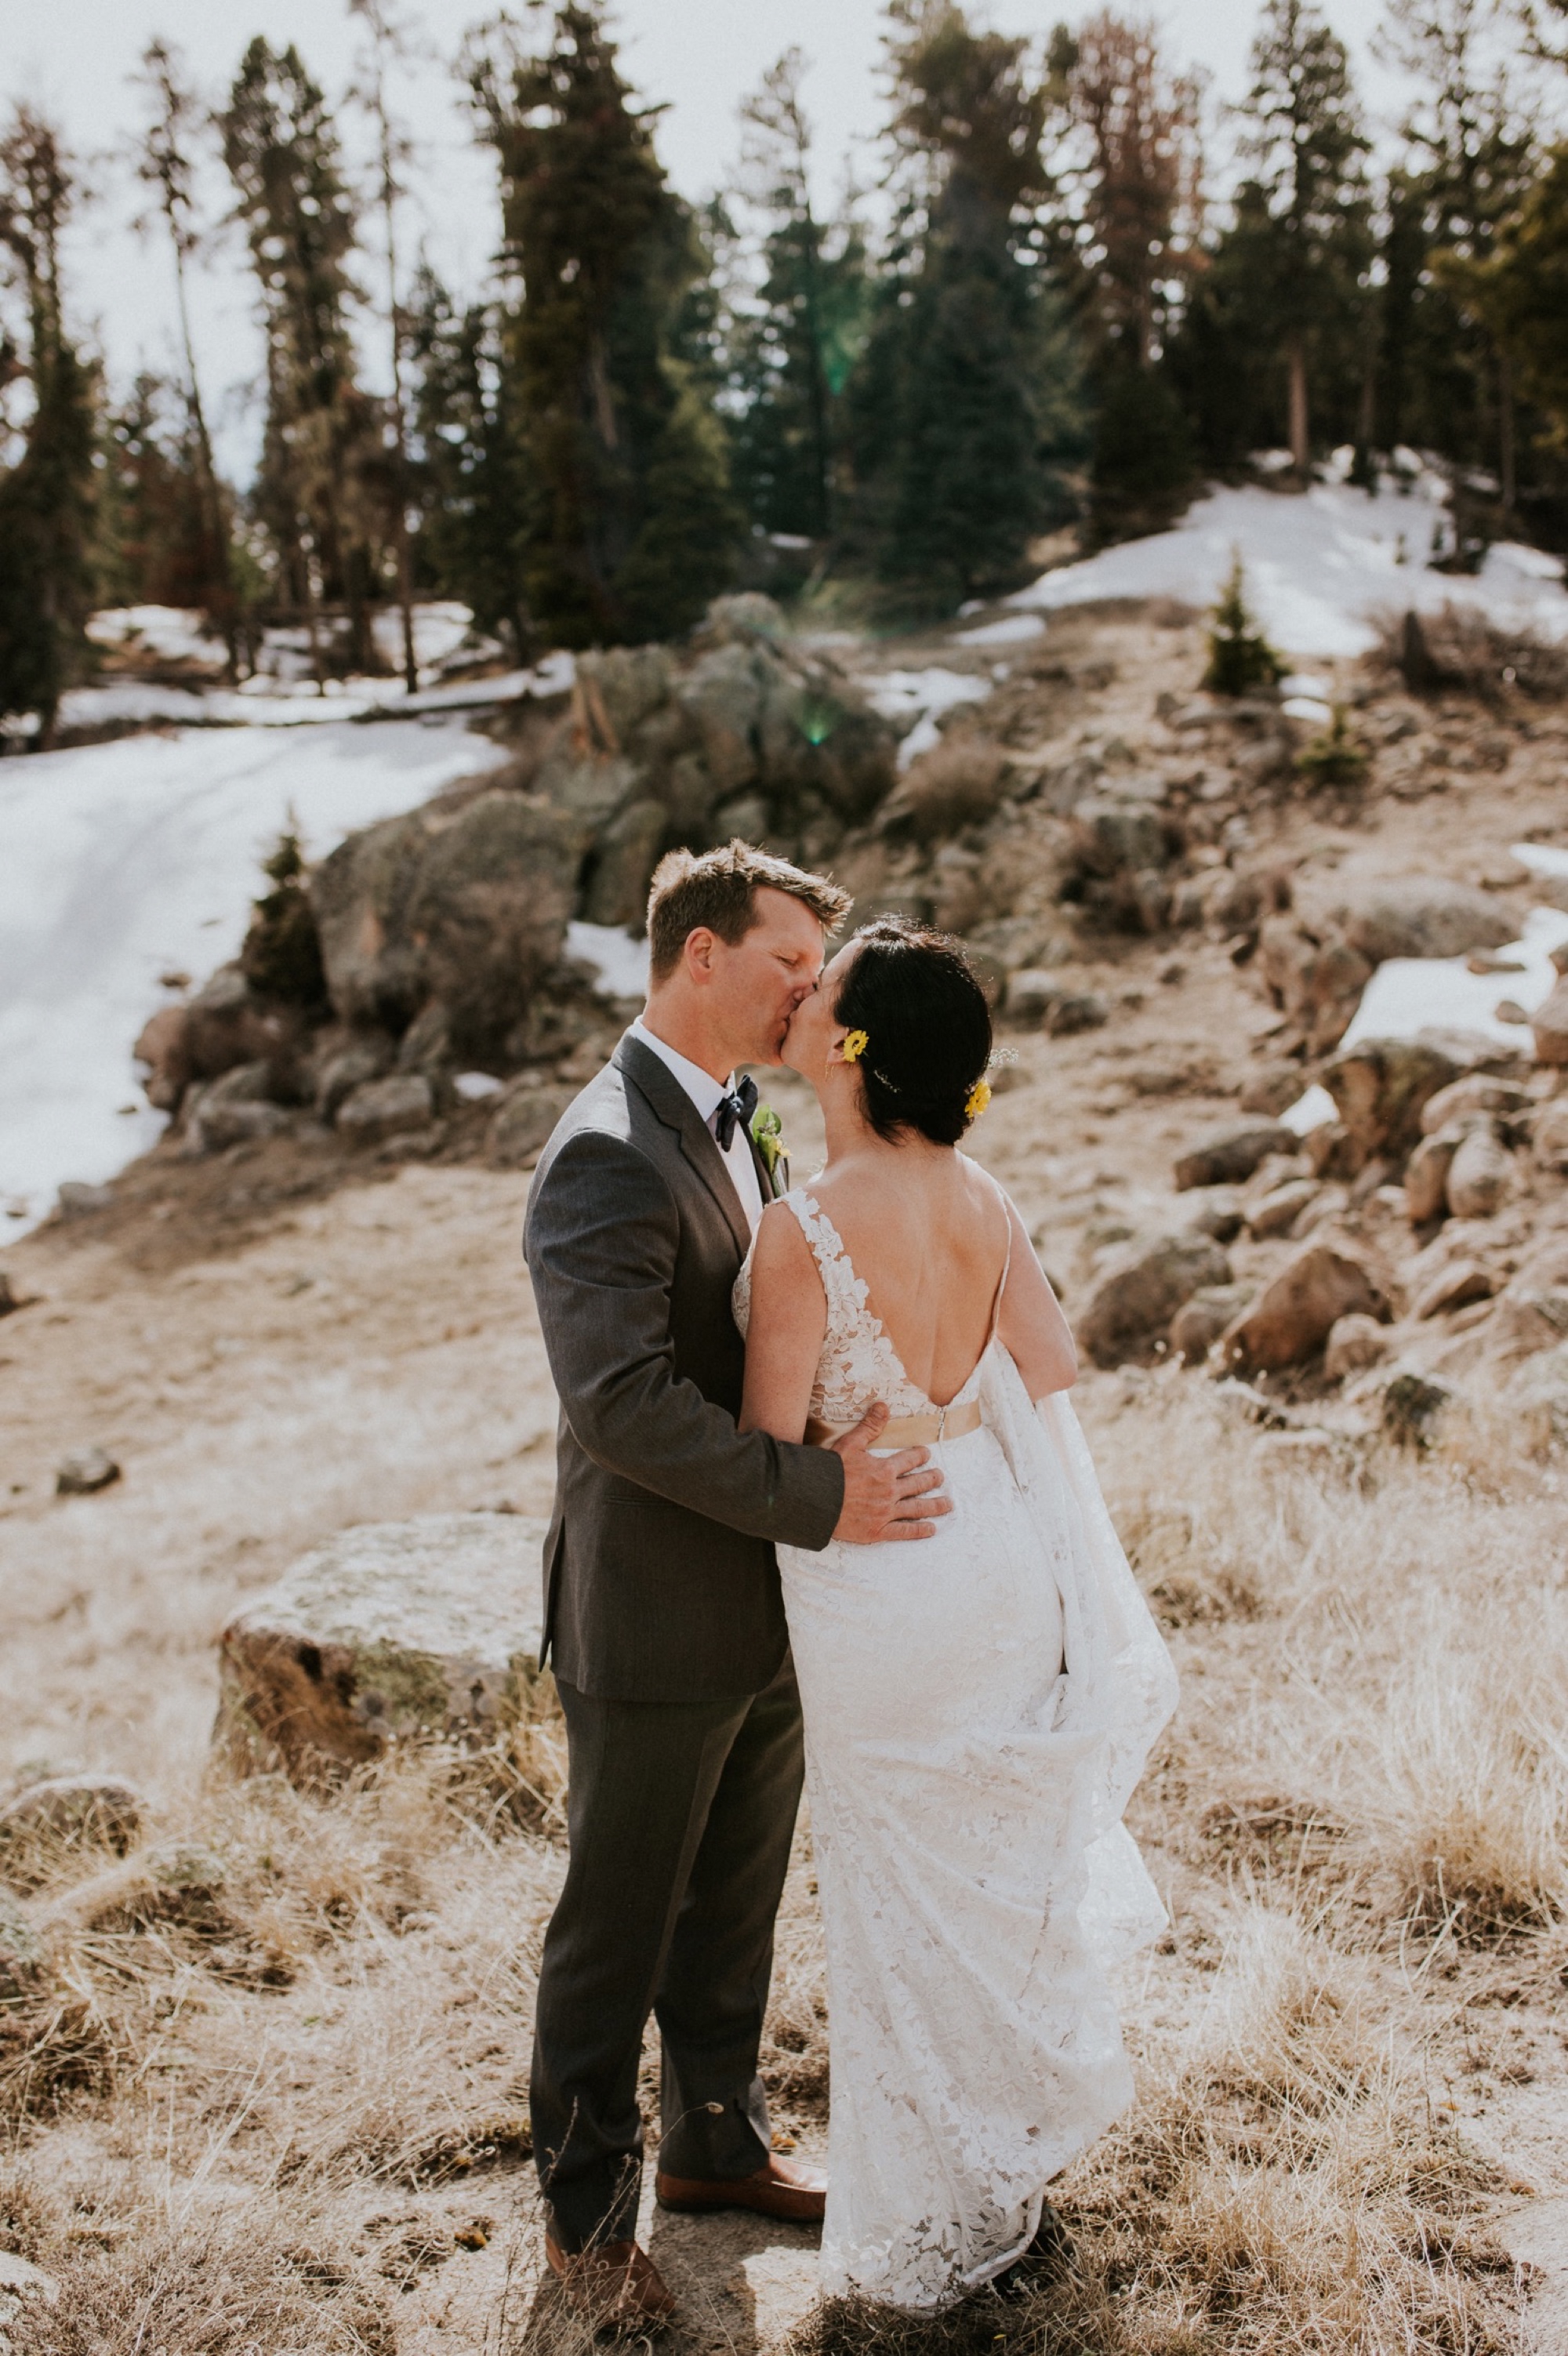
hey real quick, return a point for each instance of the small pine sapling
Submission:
(1241, 659)
(282, 955)
(1336, 757)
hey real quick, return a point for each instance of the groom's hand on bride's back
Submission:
(886, 1497)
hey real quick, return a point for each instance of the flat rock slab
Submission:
(424, 1627)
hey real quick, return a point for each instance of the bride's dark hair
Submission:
(927, 1028)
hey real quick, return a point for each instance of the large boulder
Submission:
(1481, 1175)
(1315, 980)
(1137, 1295)
(1379, 1090)
(394, 1107)
(1231, 1156)
(428, 1627)
(1478, 1093)
(469, 907)
(1293, 1316)
(1423, 917)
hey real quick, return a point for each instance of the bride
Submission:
(977, 1708)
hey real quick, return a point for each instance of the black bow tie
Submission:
(738, 1106)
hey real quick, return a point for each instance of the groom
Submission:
(663, 1613)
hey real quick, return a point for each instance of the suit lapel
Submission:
(656, 1082)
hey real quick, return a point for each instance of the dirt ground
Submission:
(274, 1348)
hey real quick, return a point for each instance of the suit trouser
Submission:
(680, 1818)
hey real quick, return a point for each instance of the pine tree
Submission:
(1127, 238)
(1287, 281)
(965, 381)
(48, 498)
(796, 344)
(165, 163)
(1240, 659)
(386, 45)
(1471, 146)
(1520, 292)
(470, 472)
(631, 525)
(321, 482)
(152, 543)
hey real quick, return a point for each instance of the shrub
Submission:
(1240, 659)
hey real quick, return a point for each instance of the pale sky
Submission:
(699, 56)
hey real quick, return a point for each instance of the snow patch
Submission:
(1010, 631)
(120, 862)
(921, 698)
(1320, 566)
(621, 962)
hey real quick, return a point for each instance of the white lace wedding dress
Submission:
(978, 1707)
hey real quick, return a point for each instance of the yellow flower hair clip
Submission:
(855, 1044)
(977, 1099)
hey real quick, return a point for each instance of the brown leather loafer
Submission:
(782, 2188)
(615, 2285)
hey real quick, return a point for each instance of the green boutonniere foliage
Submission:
(767, 1136)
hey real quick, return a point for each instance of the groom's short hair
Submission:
(719, 889)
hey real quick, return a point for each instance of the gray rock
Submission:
(84, 1472)
(1477, 1092)
(1548, 1137)
(1316, 981)
(1354, 1343)
(1276, 1213)
(1053, 1004)
(349, 1069)
(78, 1202)
(213, 1127)
(1422, 916)
(427, 1045)
(428, 1627)
(724, 695)
(390, 1108)
(1273, 1089)
(588, 786)
(469, 908)
(1293, 1316)
(1454, 1287)
(71, 1812)
(1426, 1173)
(25, 2288)
(1480, 1176)
(1136, 1297)
(1199, 1322)
(523, 1124)
(1381, 1089)
(628, 851)
(1231, 1156)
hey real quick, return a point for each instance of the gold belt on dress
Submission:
(906, 1430)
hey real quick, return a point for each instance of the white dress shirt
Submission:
(706, 1093)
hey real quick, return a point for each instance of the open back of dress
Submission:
(978, 1707)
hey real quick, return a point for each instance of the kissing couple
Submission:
(823, 1512)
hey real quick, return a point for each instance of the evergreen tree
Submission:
(152, 537)
(470, 472)
(1520, 293)
(165, 161)
(48, 497)
(1240, 659)
(1445, 381)
(1126, 247)
(631, 525)
(321, 492)
(1285, 292)
(965, 384)
(386, 44)
(797, 343)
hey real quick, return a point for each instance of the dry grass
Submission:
(318, 2004)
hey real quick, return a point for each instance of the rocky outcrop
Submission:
(428, 1627)
(1297, 1309)
(465, 909)
(1232, 1155)
(1137, 1295)
(1379, 1090)
(1423, 917)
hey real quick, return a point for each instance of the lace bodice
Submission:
(858, 1363)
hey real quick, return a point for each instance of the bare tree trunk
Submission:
(212, 497)
(1300, 449)
(1507, 461)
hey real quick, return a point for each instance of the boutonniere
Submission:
(767, 1136)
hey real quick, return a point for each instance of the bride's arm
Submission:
(1033, 1329)
(784, 1333)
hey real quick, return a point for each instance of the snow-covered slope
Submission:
(120, 862)
(1320, 566)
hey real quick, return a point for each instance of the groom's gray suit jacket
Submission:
(659, 1578)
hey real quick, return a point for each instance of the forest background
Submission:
(1072, 290)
